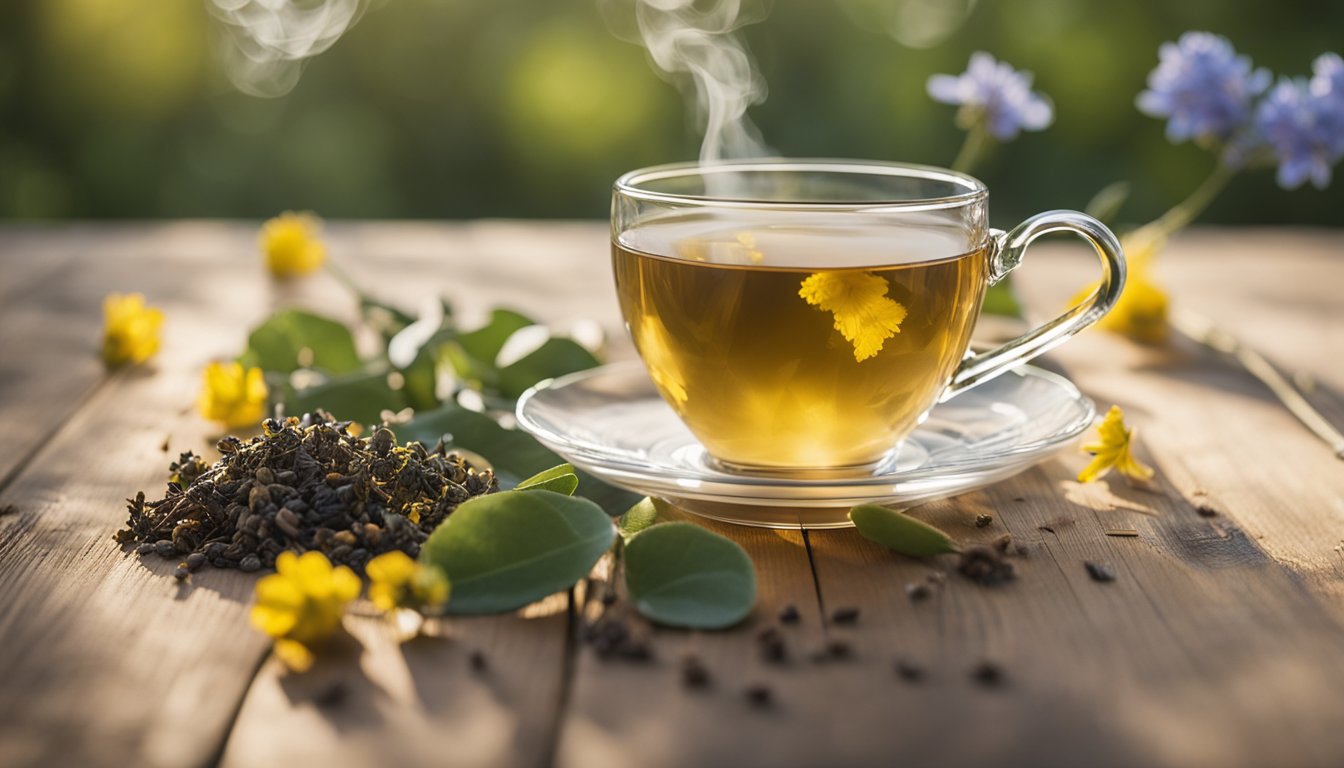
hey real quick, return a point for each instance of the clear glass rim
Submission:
(629, 185)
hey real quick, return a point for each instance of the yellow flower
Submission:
(130, 329)
(1113, 451)
(858, 300)
(232, 395)
(397, 581)
(1141, 311)
(301, 604)
(292, 244)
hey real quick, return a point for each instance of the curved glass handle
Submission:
(1006, 256)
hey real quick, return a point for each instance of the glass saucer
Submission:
(611, 422)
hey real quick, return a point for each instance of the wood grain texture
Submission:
(374, 700)
(1217, 644)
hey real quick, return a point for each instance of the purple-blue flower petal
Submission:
(1001, 96)
(1202, 87)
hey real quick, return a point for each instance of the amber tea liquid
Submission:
(799, 347)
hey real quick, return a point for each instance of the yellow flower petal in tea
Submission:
(232, 395)
(1114, 451)
(858, 300)
(397, 581)
(292, 244)
(130, 329)
(301, 604)
(652, 338)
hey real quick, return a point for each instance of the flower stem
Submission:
(977, 141)
(1188, 209)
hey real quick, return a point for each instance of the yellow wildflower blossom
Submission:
(1141, 311)
(130, 329)
(858, 300)
(397, 581)
(1114, 451)
(301, 604)
(292, 244)
(232, 395)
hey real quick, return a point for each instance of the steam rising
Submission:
(266, 42)
(696, 48)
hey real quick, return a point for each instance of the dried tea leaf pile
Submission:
(305, 484)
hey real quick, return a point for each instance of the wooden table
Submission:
(1220, 643)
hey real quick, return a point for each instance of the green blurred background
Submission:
(529, 108)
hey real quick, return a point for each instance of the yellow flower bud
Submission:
(292, 244)
(397, 581)
(232, 395)
(130, 329)
(301, 604)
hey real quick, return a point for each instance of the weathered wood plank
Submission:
(623, 713)
(376, 701)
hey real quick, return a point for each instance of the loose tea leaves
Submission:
(305, 484)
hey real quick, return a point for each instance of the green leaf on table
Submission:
(899, 531)
(513, 453)
(279, 344)
(358, 397)
(682, 575)
(1106, 204)
(642, 515)
(556, 357)
(508, 549)
(421, 375)
(559, 479)
(387, 320)
(473, 353)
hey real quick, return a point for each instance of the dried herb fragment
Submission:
(1204, 510)
(760, 696)
(839, 650)
(988, 674)
(909, 671)
(983, 520)
(305, 484)
(918, 591)
(1099, 572)
(846, 615)
(986, 566)
(693, 673)
(772, 646)
(789, 614)
(611, 638)
(478, 661)
(1121, 532)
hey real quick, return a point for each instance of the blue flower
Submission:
(1303, 123)
(1203, 87)
(996, 94)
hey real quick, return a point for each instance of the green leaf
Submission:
(276, 345)
(905, 534)
(637, 518)
(421, 376)
(560, 479)
(387, 320)
(505, 550)
(358, 397)
(473, 354)
(554, 358)
(682, 575)
(513, 453)
(1106, 204)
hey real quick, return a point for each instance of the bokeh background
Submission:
(448, 109)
